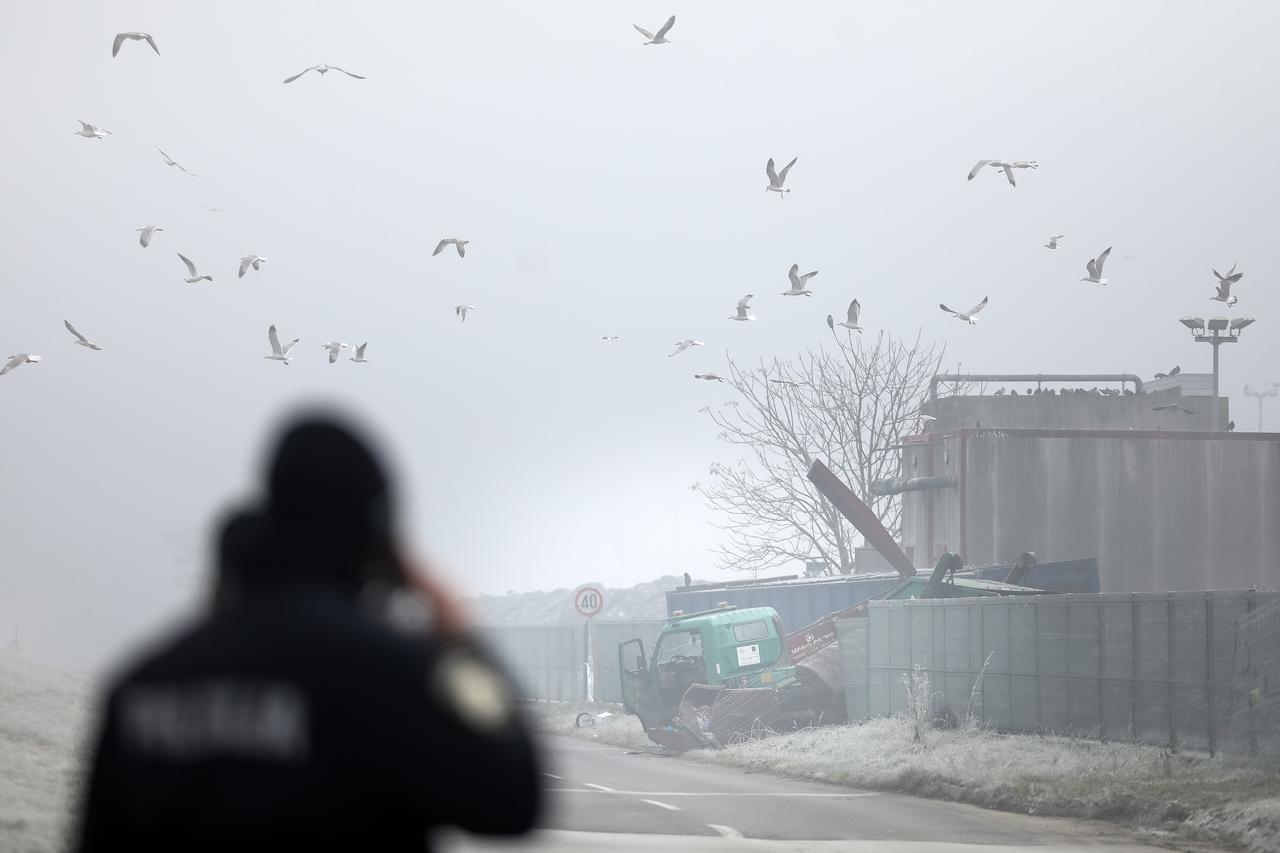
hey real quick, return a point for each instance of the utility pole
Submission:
(1261, 395)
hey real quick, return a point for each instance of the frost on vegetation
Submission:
(607, 723)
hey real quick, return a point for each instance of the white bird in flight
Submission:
(1053, 241)
(120, 38)
(334, 347)
(279, 353)
(461, 311)
(681, 346)
(16, 361)
(777, 179)
(1224, 286)
(323, 69)
(608, 339)
(81, 340)
(193, 276)
(169, 161)
(970, 316)
(1008, 168)
(146, 232)
(1094, 268)
(359, 358)
(251, 260)
(460, 245)
(744, 305)
(91, 131)
(798, 282)
(851, 319)
(710, 377)
(659, 37)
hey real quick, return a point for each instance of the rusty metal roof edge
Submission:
(1179, 435)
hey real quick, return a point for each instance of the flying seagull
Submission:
(710, 377)
(970, 316)
(1172, 407)
(169, 161)
(798, 282)
(145, 233)
(334, 347)
(1053, 241)
(461, 311)
(16, 361)
(81, 340)
(851, 320)
(194, 276)
(1224, 286)
(608, 338)
(323, 69)
(120, 38)
(1008, 168)
(744, 305)
(681, 346)
(359, 358)
(777, 179)
(91, 131)
(661, 36)
(251, 260)
(1095, 268)
(460, 245)
(279, 353)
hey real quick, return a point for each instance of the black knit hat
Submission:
(326, 488)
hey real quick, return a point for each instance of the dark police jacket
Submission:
(294, 720)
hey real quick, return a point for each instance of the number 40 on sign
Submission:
(589, 600)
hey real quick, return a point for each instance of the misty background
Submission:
(607, 188)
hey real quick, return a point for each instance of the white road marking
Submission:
(666, 806)
(725, 831)
(599, 789)
(553, 776)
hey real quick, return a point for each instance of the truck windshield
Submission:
(678, 644)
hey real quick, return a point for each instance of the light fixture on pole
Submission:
(1262, 395)
(1216, 331)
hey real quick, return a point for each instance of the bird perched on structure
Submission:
(776, 178)
(1174, 371)
(687, 580)
(1231, 426)
(660, 37)
(999, 393)
(120, 39)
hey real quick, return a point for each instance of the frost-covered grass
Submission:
(43, 718)
(1135, 785)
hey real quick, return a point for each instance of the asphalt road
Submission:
(608, 798)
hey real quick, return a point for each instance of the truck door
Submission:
(632, 668)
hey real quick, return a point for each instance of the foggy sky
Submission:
(607, 188)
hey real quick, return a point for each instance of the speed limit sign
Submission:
(589, 600)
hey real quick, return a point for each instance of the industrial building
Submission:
(1165, 499)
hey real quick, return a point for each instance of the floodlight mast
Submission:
(1216, 331)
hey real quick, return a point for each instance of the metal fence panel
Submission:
(1183, 669)
(545, 661)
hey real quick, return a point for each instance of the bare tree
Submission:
(850, 404)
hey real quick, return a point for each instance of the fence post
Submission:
(1208, 671)
(1134, 668)
(1039, 682)
(1102, 655)
(1173, 726)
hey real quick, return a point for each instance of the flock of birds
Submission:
(777, 178)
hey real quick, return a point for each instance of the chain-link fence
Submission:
(1255, 721)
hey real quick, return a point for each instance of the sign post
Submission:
(588, 601)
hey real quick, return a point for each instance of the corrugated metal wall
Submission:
(799, 603)
(1159, 512)
(1150, 667)
(547, 661)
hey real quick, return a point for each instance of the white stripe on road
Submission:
(553, 776)
(666, 806)
(600, 789)
(725, 831)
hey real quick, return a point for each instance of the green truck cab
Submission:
(726, 647)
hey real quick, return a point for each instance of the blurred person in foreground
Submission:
(330, 699)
